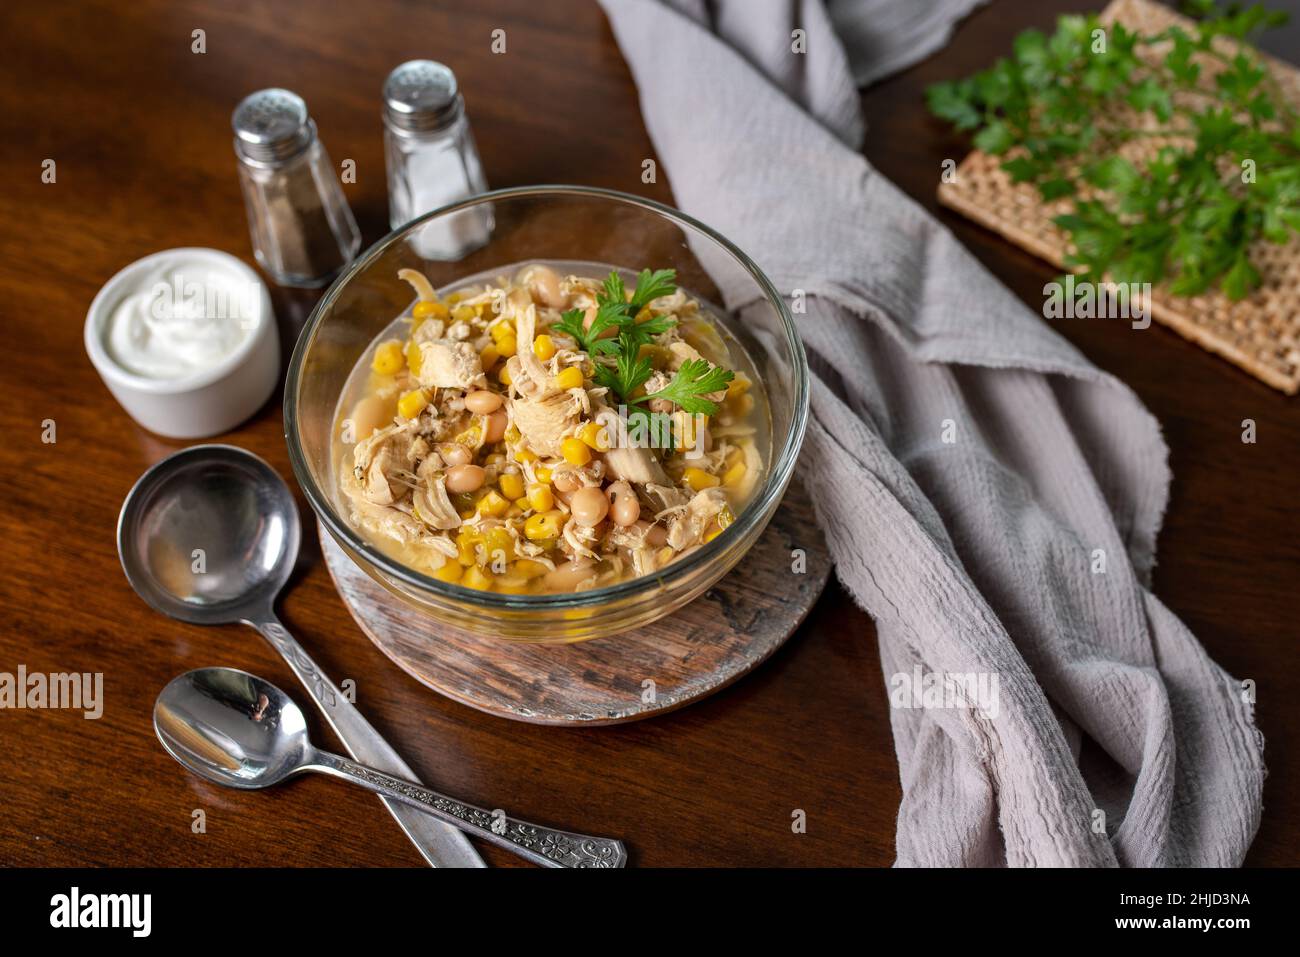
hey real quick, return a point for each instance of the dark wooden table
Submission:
(139, 128)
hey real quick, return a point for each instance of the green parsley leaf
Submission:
(695, 379)
(630, 370)
(651, 285)
(613, 289)
(570, 324)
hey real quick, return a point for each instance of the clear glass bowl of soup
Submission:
(575, 231)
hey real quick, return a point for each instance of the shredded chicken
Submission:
(545, 422)
(636, 465)
(430, 500)
(450, 364)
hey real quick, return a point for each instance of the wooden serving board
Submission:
(719, 637)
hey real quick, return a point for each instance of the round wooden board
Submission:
(714, 640)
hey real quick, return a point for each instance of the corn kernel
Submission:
(501, 330)
(413, 357)
(477, 579)
(512, 585)
(699, 479)
(412, 403)
(543, 474)
(594, 436)
(508, 345)
(493, 504)
(465, 554)
(449, 572)
(388, 358)
(712, 534)
(513, 434)
(489, 356)
(470, 437)
(428, 307)
(499, 544)
(738, 386)
(540, 498)
(734, 456)
(525, 455)
(735, 474)
(725, 518)
(569, 378)
(544, 347)
(575, 451)
(463, 313)
(528, 569)
(512, 485)
(686, 430)
(504, 375)
(542, 526)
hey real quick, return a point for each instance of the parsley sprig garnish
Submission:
(631, 369)
(1230, 177)
(615, 309)
(693, 381)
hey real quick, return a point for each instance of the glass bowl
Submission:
(544, 224)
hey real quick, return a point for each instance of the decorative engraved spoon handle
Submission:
(541, 845)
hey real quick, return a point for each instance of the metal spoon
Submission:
(235, 729)
(210, 535)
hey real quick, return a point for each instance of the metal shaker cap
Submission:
(421, 96)
(272, 125)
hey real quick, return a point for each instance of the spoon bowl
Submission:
(209, 535)
(232, 728)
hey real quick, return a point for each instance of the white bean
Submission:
(544, 284)
(465, 478)
(369, 414)
(625, 508)
(496, 427)
(589, 506)
(482, 402)
(569, 575)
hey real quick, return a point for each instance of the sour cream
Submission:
(183, 315)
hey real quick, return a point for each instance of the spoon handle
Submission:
(541, 845)
(441, 846)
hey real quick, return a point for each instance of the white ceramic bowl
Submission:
(204, 403)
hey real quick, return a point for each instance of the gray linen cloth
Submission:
(990, 497)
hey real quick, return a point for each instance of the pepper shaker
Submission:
(432, 160)
(302, 228)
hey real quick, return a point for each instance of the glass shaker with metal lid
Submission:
(302, 229)
(432, 160)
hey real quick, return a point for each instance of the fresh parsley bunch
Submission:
(615, 309)
(1189, 214)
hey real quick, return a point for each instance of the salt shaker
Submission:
(432, 160)
(302, 229)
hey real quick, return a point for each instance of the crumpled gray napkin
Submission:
(990, 497)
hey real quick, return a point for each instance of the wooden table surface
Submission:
(139, 128)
